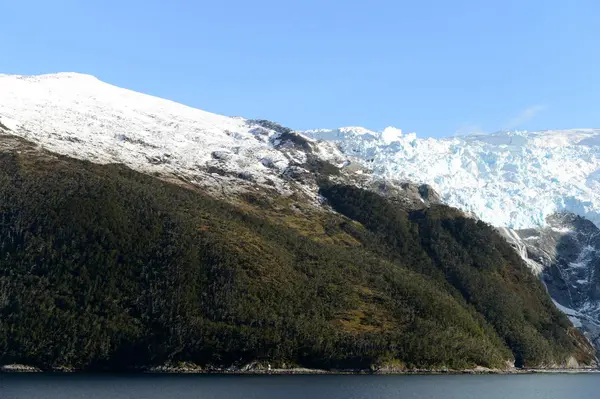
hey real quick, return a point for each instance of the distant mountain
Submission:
(138, 232)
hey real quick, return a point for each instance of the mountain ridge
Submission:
(510, 179)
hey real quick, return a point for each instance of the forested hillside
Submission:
(102, 267)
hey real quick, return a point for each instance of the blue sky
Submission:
(435, 67)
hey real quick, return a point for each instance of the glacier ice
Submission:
(513, 178)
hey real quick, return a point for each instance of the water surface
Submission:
(530, 386)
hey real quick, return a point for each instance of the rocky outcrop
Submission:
(566, 255)
(408, 195)
(19, 368)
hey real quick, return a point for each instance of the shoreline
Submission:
(188, 370)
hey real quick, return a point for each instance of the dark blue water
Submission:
(547, 386)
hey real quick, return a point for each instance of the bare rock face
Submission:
(429, 194)
(573, 276)
(408, 195)
(566, 255)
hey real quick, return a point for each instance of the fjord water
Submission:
(527, 386)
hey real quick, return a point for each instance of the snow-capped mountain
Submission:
(79, 116)
(512, 179)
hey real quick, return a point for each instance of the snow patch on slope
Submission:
(521, 246)
(9, 123)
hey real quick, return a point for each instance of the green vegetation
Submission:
(476, 265)
(321, 168)
(102, 267)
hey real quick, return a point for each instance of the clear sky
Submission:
(435, 67)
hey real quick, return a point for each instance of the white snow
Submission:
(80, 116)
(521, 247)
(512, 179)
(9, 123)
(576, 321)
(583, 258)
(562, 230)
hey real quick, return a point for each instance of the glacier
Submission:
(513, 179)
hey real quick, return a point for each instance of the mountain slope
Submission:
(104, 267)
(532, 182)
(80, 116)
(227, 216)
